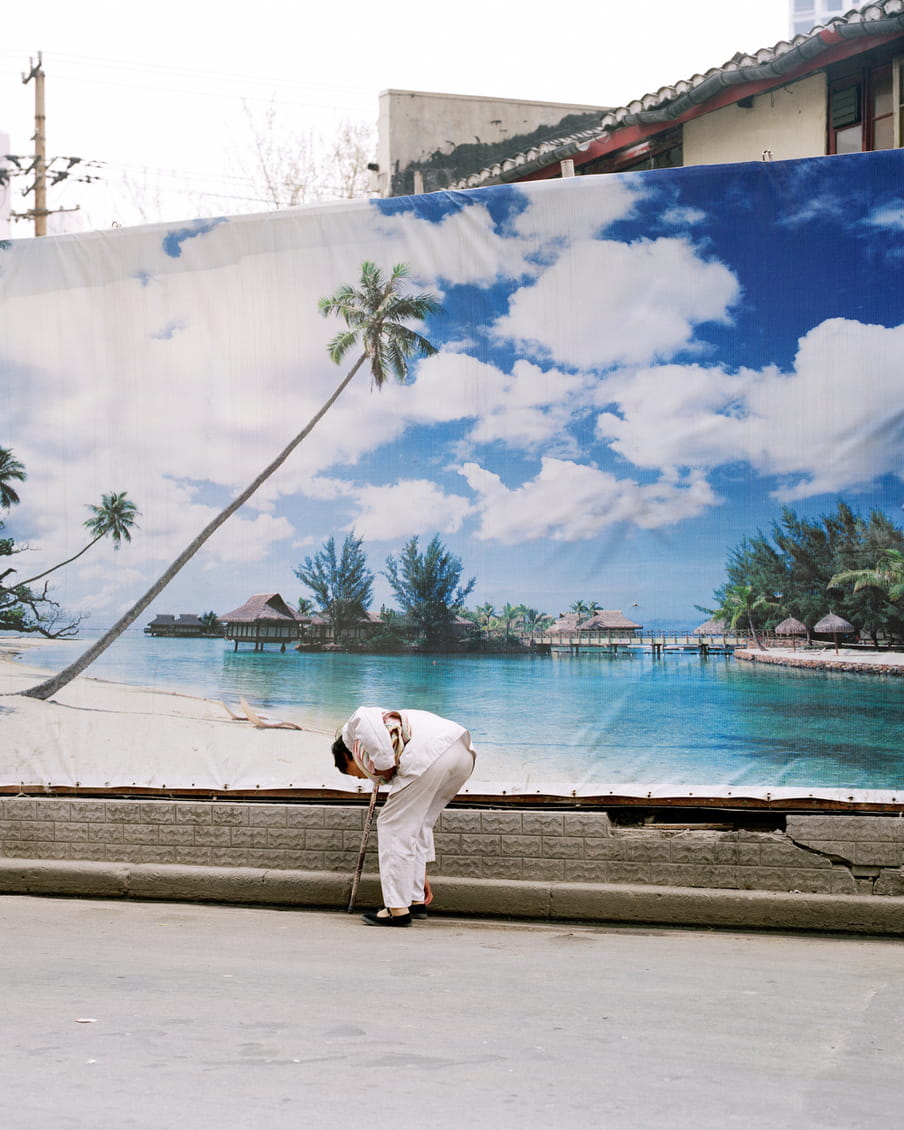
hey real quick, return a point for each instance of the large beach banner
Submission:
(647, 399)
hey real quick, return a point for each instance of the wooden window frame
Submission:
(864, 81)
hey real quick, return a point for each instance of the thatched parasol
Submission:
(792, 628)
(711, 628)
(835, 626)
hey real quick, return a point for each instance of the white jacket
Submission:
(431, 736)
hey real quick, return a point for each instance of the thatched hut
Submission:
(162, 625)
(263, 618)
(711, 628)
(611, 621)
(187, 625)
(566, 624)
(833, 626)
(792, 628)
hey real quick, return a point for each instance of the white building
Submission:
(804, 15)
(6, 192)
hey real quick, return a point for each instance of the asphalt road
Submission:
(118, 1015)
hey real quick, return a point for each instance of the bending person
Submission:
(426, 760)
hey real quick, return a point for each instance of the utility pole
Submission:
(39, 212)
(39, 163)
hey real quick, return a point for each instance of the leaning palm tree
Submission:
(739, 602)
(115, 516)
(374, 314)
(887, 575)
(10, 469)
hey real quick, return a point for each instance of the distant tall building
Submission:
(5, 190)
(806, 14)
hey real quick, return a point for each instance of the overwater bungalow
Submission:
(316, 630)
(186, 625)
(263, 618)
(606, 620)
(612, 621)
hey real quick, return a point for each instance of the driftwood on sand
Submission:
(259, 719)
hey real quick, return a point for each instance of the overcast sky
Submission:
(634, 372)
(156, 92)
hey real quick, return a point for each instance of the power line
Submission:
(240, 81)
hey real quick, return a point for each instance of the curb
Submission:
(492, 898)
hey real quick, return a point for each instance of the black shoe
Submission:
(418, 910)
(373, 918)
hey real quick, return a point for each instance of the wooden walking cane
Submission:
(367, 826)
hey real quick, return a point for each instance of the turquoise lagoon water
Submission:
(631, 718)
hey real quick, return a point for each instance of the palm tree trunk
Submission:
(756, 638)
(57, 682)
(68, 561)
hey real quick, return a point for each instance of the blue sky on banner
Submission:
(634, 372)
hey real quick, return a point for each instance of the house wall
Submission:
(412, 125)
(569, 864)
(788, 122)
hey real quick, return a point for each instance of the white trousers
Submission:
(405, 824)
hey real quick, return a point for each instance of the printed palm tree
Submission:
(531, 620)
(374, 313)
(887, 575)
(584, 608)
(10, 469)
(485, 615)
(739, 602)
(211, 623)
(115, 516)
(508, 614)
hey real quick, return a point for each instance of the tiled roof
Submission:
(884, 17)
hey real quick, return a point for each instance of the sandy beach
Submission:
(827, 659)
(110, 735)
(97, 735)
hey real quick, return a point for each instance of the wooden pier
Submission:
(654, 643)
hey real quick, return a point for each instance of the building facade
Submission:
(835, 89)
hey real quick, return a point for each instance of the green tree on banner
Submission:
(22, 609)
(427, 586)
(342, 584)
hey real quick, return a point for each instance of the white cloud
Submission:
(888, 215)
(244, 539)
(605, 303)
(831, 423)
(568, 501)
(405, 508)
(676, 415)
(837, 421)
(585, 207)
(526, 407)
(467, 248)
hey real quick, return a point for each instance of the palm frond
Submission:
(341, 344)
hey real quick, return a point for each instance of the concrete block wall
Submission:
(830, 855)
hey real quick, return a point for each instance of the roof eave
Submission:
(702, 89)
